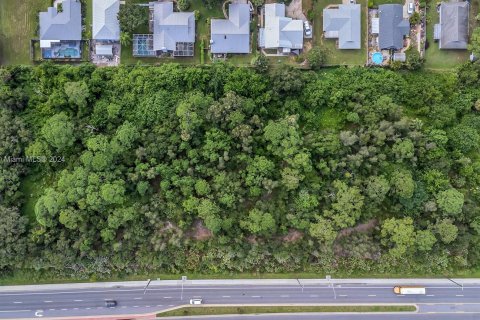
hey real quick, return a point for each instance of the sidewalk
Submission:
(240, 282)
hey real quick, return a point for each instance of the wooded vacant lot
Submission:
(222, 169)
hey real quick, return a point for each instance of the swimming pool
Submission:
(377, 57)
(68, 53)
(61, 52)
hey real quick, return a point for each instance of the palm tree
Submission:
(125, 39)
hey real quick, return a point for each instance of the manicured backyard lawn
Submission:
(337, 56)
(379, 2)
(18, 25)
(443, 59)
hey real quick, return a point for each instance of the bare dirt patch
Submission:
(294, 10)
(363, 227)
(293, 236)
(200, 232)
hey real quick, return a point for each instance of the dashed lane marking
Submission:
(137, 298)
(78, 300)
(255, 296)
(284, 296)
(343, 295)
(430, 295)
(314, 295)
(17, 302)
(167, 297)
(372, 295)
(47, 301)
(225, 296)
(459, 295)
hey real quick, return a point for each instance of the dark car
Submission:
(110, 303)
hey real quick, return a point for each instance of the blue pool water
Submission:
(47, 54)
(377, 57)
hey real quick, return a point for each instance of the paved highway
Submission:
(442, 296)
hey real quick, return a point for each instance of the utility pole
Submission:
(458, 284)
(301, 285)
(330, 284)
(184, 278)
(145, 290)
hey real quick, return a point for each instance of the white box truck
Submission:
(409, 290)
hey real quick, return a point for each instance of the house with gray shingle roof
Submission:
(452, 31)
(280, 32)
(66, 25)
(106, 26)
(173, 32)
(343, 23)
(393, 27)
(232, 35)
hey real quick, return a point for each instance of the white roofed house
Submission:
(106, 27)
(61, 31)
(173, 32)
(343, 23)
(452, 31)
(232, 35)
(281, 33)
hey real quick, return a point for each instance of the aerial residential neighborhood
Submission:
(240, 159)
(348, 33)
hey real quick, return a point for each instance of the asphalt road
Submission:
(440, 299)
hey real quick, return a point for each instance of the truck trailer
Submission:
(409, 290)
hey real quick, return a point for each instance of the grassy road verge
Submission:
(199, 311)
(37, 277)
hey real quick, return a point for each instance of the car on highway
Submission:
(110, 303)
(196, 301)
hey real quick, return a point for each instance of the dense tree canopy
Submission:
(238, 169)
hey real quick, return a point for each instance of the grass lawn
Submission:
(89, 17)
(197, 311)
(445, 59)
(379, 2)
(337, 56)
(18, 25)
(20, 277)
(33, 187)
